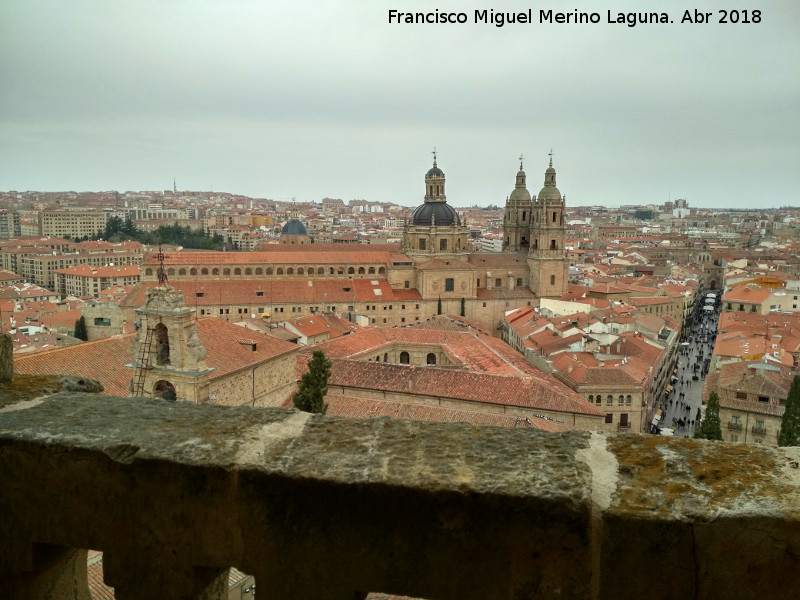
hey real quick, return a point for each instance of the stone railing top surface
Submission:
(390, 505)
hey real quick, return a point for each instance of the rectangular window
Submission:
(741, 395)
(102, 322)
(422, 244)
(519, 281)
(402, 319)
(764, 399)
(406, 284)
(498, 282)
(449, 284)
(609, 417)
(623, 420)
(259, 293)
(199, 294)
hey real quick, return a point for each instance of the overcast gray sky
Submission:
(271, 98)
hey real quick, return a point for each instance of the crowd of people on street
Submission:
(681, 408)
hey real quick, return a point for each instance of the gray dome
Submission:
(520, 195)
(294, 227)
(444, 214)
(434, 171)
(549, 192)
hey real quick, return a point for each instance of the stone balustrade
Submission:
(322, 508)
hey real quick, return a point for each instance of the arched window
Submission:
(628, 399)
(524, 215)
(148, 272)
(552, 279)
(621, 399)
(340, 271)
(181, 271)
(164, 389)
(404, 358)
(591, 398)
(269, 270)
(290, 271)
(162, 344)
(554, 217)
(300, 271)
(259, 271)
(609, 399)
(553, 245)
(226, 271)
(237, 271)
(598, 399)
(431, 358)
(385, 357)
(351, 271)
(362, 271)
(204, 271)
(248, 271)
(320, 271)
(215, 271)
(279, 271)
(192, 271)
(381, 271)
(170, 272)
(371, 271)
(330, 270)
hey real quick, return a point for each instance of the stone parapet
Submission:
(326, 508)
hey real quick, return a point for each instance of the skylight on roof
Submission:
(378, 292)
(375, 282)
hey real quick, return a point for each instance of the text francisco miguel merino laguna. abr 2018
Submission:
(549, 16)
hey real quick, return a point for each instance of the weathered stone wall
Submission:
(267, 384)
(317, 507)
(6, 357)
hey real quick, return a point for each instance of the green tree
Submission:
(310, 395)
(80, 329)
(439, 306)
(710, 428)
(790, 423)
(463, 307)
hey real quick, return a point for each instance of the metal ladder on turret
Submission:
(144, 363)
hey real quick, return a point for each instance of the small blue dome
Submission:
(294, 227)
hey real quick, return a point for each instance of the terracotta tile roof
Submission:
(747, 294)
(97, 587)
(339, 292)
(542, 392)
(227, 352)
(103, 360)
(62, 319)
(370, 408)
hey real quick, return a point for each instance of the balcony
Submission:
(174, 494)
(759, 430)
(735, 425)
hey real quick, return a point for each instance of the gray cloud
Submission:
(325, 98)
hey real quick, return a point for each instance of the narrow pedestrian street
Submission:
(683, 405)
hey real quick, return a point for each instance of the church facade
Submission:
(387, 286)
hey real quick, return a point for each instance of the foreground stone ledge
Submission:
(316, 507)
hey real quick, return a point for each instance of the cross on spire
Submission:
(434, 156)
(162, 272)
(551, 157)
(521, 158)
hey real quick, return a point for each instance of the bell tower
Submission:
(517, 216)
(547, 256)
(169, 360)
